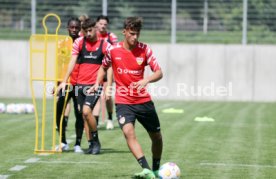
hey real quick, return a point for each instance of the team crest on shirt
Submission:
(139, 60)
(122, 120)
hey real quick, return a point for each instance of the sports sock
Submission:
(79, 129)
(65, 120)
(155, 164)
(78, 142)
(94, 136)
(110, 116)
(143, 162)
(63, 137)
(63, 134)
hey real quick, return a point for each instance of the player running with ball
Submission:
(128, 60)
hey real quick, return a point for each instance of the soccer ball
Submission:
(29, 108)
(2, 108)
(10, 108)
(169, 170)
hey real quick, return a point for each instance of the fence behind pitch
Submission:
(209, 21)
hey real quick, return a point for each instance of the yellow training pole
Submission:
(45, 68)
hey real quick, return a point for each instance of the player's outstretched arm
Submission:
(108, 89)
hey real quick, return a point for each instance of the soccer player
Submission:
(82, 18)
(103, 34)
(88, 52)
(73, 27)
(128, 60)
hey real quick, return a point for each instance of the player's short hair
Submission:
(88, 23)
(73, 19)
(133, 23)
(83, 17)
(103, 17)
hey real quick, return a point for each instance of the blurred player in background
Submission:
(128, 60)
(104, 34)
(82, 18)
(73, 27)
(88, 52)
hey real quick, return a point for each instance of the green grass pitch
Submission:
(239, 144)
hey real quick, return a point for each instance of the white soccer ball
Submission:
(2, 108)
(20, 108)
(10, 108)
(15, 108)
(169, 170)
(29, 108)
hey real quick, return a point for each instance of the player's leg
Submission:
(156, 149)
(59, 109)
(80, 101)
(96, 111)
(87, 131)
(126, 120)
(79, 124)
(67, 113)
(89, 104)
(94, 147)
(136, 150)
(109, 108)
(150, 121)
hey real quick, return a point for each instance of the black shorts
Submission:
(145, 113)
(87, 99)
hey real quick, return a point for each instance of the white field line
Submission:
(71, 162)
(238, 165)
(32, 160)
(44, 154)
(17, 168)
(4, 176)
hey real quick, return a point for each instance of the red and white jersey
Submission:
(128, 67)
(109, 37)
(90, 55)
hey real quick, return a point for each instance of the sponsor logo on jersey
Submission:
(91, 56)
(87, 103)
(118, 58)
(128, 71)
(139, 60)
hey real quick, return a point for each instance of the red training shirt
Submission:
(87, 73)
(128, 67)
